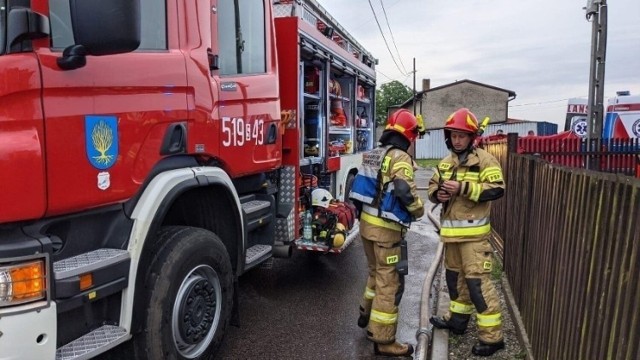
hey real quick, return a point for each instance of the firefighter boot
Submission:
(363, 319)
(393, 349)
(457, 324)
(484, 349)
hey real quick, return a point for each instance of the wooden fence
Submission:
(572, 257)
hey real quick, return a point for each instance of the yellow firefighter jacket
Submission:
(465, 217)
(397, 167)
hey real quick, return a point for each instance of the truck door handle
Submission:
(175, 140)
(271, 134)
(214, 63)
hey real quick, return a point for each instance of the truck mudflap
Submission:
(302, 244)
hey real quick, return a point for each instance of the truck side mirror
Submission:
(73, 57)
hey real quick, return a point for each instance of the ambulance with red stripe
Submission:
(623, 117)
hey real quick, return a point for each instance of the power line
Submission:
(539, 103)
(385, 39)
(385, 75)
(406, 76)
(367, 21)
(393, 40)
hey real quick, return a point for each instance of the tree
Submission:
(389, 94)
(102, 137)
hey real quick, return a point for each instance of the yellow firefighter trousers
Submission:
(384, 290)
(472, 261)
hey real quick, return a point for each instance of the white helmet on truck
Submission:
(321, 197)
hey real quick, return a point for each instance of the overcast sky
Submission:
(539, 49)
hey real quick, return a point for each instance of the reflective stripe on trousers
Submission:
(369, 293)
(460, 308)
(489, 320)
(383, 318)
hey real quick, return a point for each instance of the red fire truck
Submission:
(151, 152)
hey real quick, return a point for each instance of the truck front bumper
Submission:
(29, 335)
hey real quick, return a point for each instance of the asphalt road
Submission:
(306, 307)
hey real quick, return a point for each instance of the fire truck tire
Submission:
(189, 292)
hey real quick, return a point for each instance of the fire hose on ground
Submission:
(423, 333)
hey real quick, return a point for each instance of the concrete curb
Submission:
(440, 345)
(440, 338)
(515, 316)
(512, 307)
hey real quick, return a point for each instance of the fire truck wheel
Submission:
(189, 292)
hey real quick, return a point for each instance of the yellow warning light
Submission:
(21, 283)
(86, 281)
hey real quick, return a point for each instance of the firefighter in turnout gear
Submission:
(385, 192)
(466, 181)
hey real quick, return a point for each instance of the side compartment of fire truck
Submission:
(327, 85)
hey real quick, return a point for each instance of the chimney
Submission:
(426, 84)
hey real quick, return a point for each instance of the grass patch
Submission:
(521, 355)
(454, 339)
(427, 163)
(496, 269)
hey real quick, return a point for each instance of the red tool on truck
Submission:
(151, 152)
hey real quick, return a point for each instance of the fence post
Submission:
(594, 150)
(528, 233)
(512, 148)
(512, 142)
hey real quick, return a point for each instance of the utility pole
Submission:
(414, 86)
(596, 12)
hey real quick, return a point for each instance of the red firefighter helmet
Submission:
(405, 123)
(462, 120)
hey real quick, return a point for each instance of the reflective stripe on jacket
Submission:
(370, 215)
(465, 228)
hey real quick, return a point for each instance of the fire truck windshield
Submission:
(60, 19)
(153, 25)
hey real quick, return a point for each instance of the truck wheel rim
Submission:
(196, 311)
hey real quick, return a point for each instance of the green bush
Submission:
(427, 163)
(496, 270)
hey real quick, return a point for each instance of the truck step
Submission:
(93, 343)
(88, 262)
(254, 206)
(258, 214)
(267, 264)
(256, 254)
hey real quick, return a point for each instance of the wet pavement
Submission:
(306, 307)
